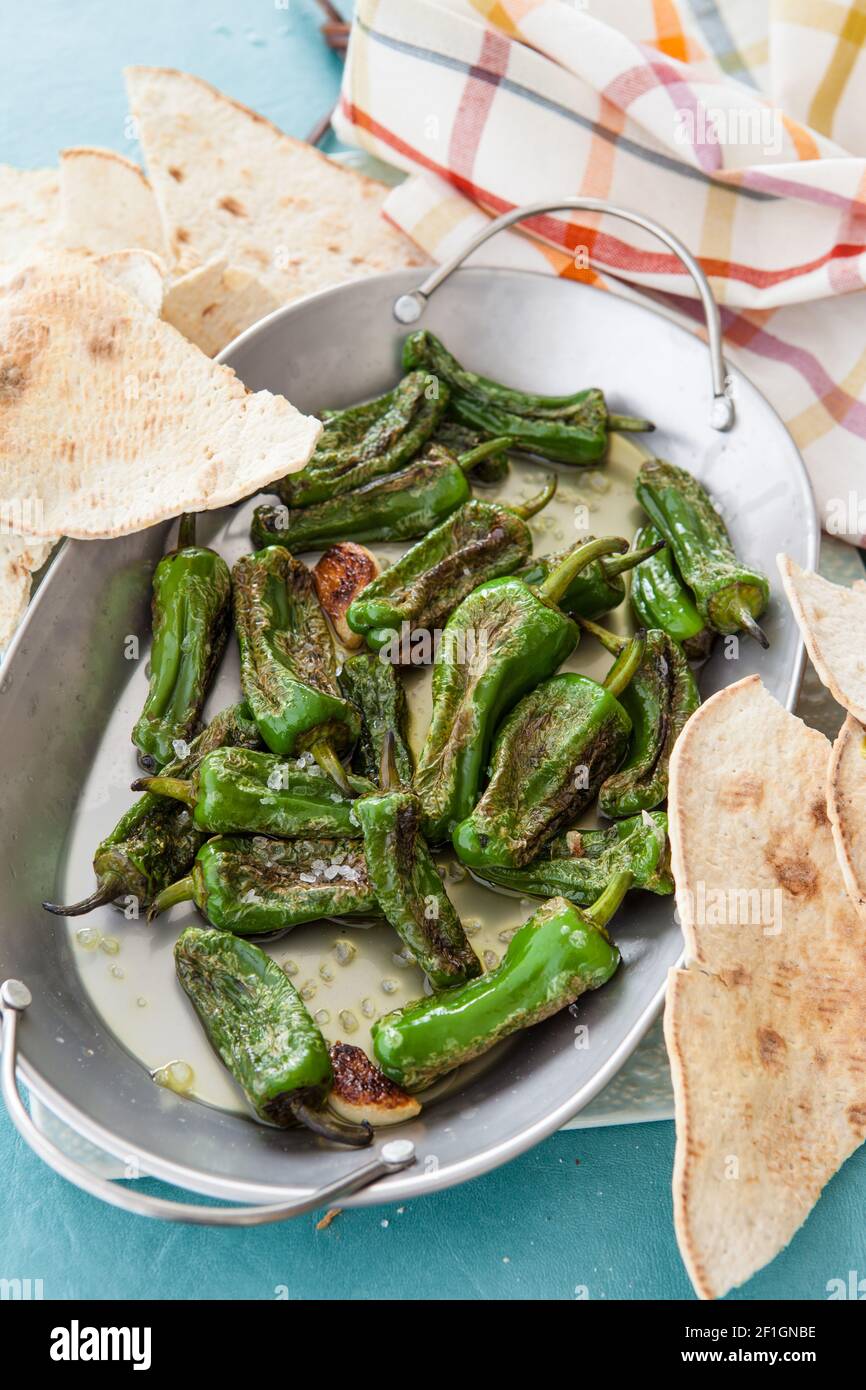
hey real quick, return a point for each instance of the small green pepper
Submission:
(660, 599)
(578, 864)
(660, 699)
(288, 661)
(191, 591)
(729, 596)
(598, 588)
(556, 956)
(368, 441)
(257, 1025)
(253, 886)
(550, 757)
(570, 429)
(460, 439)
(156, 841)
(375, 688)
(235, 791)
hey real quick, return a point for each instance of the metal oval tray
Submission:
(66, 675)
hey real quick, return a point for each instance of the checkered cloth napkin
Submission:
(746, 137)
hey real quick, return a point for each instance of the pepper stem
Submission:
(629, 424)
(108, 890)
(328, 761)
(609, 640)
(534, 504)
(359, 1136)
(622, 563)
(557, 582)
(186, 530)
(626, 665)
(745, 618)
(606, 905)
(174, 787)
(483, 451)
(180, 892)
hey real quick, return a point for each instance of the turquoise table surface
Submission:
(586, 1214)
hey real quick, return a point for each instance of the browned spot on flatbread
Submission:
(182, 235)
(104, 343)
(745, 792)
(794, 873)
(819, 813)
(233, 206)
(737, 975)
(857, 1116)
(771, 1049)
(177, 174)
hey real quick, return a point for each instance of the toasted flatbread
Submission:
(107, 204)
(214, 303)
(19, 557)
(846, 807)
(138, 273)
(113, 421)
(832, 621)
(231, 185)
(766, 1025)
(29, 210)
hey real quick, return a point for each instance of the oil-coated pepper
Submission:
(597, 589)
(660, 599)
(407, 885)
(191, 591)
(235, 791)
(375, 688)
(257, 1024)
(502, 640)
(729, 596)
(368, 441)
(156, 841)
(460, 439)
(661, 697)
(251, 885)
(398, 507)
(480, 541)
(556, 956)
(550, 757)
(288, 661)
(570, 429)
(578, 864)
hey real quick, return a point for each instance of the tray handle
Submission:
(15, 997)
(409, 307)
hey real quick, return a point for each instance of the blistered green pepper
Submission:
(556, 956)
(191, 591)
(570, 429)
(377, 691)
(156, 840)
(729, 597)
(660, 599)
(251, 885)
(460, 439)
(288, 661)
(595, 590)
(257, 1024)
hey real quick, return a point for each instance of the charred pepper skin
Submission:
(368, 441)
(460, 439)
(253, 886)
(156, 840)
(569, 429)
(234, 791)
(728, 596)
(556, 956)
(660, 599)
(191, 594)
(376, 690)
(599, 588)
(258, 1026)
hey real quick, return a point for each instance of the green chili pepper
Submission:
(252, 886)
(375, 688)
(235, 791)
(502, 640)
(368, 441)
(570, 429)
(578, 864)
(480, 541)
(550, 757)
(398, 507)
(288, 662)
(460, 439)
(257, 1024)
(598, 588)
(156, 841)
(556, 956)
(660, 699)
(660, 599)
(406, 884)
(191, 591)
(729, 597)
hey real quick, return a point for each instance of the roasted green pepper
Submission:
(191, 591)
(257, 1024)
(460, 439)
(398, 507)
(502, 640)
(234, 791)
(556, 956)
(729, 596)
(407, 886)
(570, 429)
(578, 864)
(156, 841)
(376, 689)
(660, 599)
(550, 757)
(661, 697)
(368, 441)
(251, 885)
(480, 541)
(598, 588)
(288, 661)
